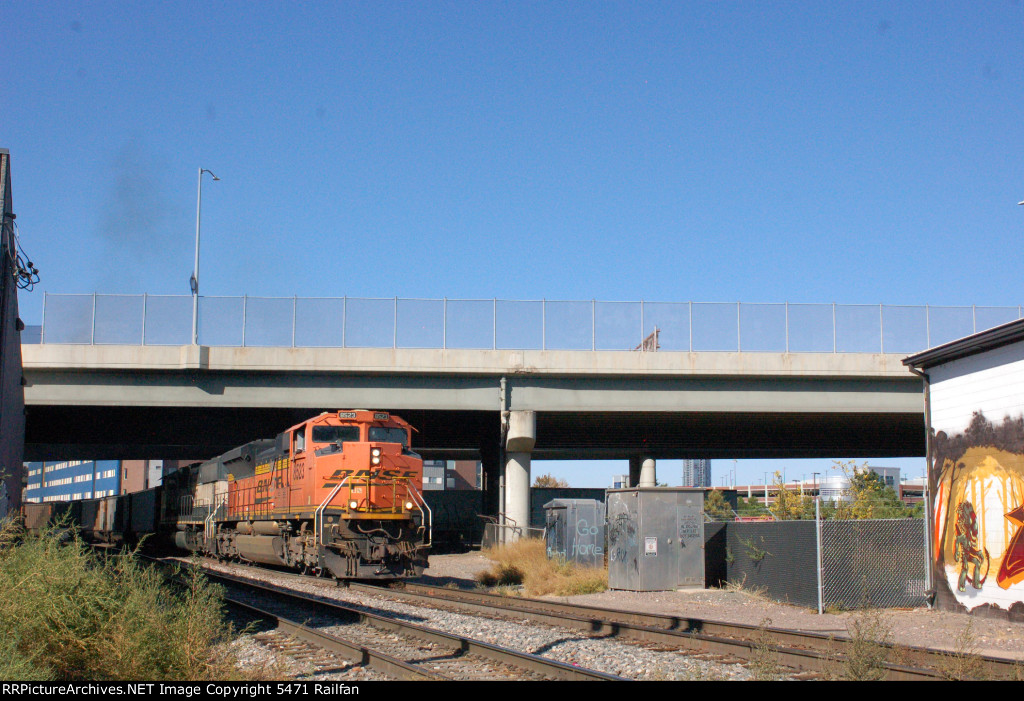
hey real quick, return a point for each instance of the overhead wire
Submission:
(26, 274)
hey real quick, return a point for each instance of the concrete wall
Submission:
(12, 400)
(976, 479)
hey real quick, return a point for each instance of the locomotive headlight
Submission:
(375, 452)
(353, 504)
(408, 506)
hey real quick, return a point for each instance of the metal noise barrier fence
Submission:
(863, 563)
(352, 322)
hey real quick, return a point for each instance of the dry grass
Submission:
(868, 649)
(964, 662)
(68, 614)
(741, 587)
(764, 663)
(526, 563)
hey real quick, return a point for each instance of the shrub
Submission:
(70, 614)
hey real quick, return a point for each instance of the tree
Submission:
(790, 506)
(717, 507)
(869, 497)
(549, 481)
(750, 507)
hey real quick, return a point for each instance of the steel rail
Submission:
(353, 652)
(801, 650)
(535, 663)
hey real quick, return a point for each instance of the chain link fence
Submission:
(353, 322)
(873, 563)
(857, 554)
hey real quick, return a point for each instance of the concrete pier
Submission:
(648, 473)
(522, 436)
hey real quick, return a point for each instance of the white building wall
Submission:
(990, 382)
(992, 481)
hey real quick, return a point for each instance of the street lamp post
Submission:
(194, 281)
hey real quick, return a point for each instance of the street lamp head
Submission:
(205, 170)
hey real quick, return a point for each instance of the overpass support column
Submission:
(648, 474)
(521, 437)
(634, 471)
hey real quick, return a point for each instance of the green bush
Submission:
(70, 614)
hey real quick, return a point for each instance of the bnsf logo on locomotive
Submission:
(384, 474)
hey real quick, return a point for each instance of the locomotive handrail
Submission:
(318, 515)
(430, 514)
(209, 530)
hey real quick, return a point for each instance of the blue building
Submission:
(69, 480)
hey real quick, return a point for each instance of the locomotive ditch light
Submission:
(408, 506)
(353, 504)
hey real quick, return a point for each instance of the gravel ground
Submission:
(631, 661)
(918, 627)
(269, 654)
(922, 627)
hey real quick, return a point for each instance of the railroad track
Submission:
(808, 653)
(397, 648)
(799, 650)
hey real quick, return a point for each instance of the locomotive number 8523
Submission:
(339, 493)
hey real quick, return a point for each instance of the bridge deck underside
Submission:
(132, 432)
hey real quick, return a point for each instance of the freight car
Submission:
(337, 494)
(124, 518)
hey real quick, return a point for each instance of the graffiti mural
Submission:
(978, 514)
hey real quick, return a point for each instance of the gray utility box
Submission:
(655, 538)
(574, 530)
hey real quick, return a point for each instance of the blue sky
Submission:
(709, 151)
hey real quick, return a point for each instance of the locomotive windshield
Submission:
(334, 434)
(383, 434)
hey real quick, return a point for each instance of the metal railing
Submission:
(353, 322)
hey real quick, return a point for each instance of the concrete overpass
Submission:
(90, 401)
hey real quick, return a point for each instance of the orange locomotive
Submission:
(338, 493)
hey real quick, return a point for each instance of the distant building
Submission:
(890, 476)
(837, 487)
(620, 482)
(71, 480)
(452, 474)
(697, 473)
